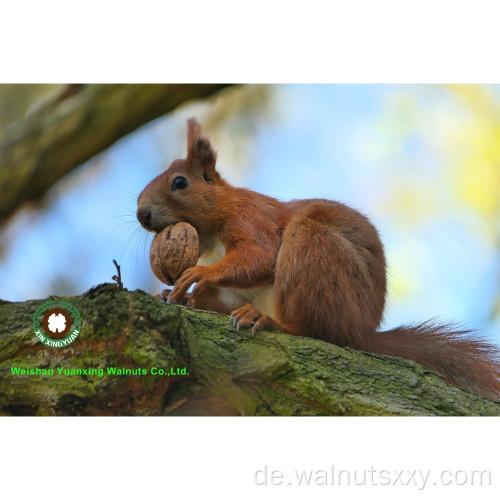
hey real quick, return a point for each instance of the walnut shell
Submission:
(174, 250)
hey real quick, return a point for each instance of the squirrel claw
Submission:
(247, 316)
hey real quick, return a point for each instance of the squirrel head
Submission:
(187, 191)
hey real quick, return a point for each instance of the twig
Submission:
(118, 278)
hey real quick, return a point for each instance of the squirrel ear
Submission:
(201, 156)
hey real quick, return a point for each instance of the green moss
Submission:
(230, 372)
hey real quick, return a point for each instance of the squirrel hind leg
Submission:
(323, 281)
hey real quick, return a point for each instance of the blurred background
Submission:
(422, 161)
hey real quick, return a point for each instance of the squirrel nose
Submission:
(144, 216)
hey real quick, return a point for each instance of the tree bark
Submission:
(228, 372)
(73, 128)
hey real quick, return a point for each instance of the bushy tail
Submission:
(462, 357)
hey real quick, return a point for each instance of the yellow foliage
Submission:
(475, 165)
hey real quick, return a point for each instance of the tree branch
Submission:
(228, 372)
(59, 137)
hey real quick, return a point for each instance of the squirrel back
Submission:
(307, 267)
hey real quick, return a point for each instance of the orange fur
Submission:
(323, 261)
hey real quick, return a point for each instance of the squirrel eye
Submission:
(179, 183)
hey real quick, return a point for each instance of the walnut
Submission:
(174, 250)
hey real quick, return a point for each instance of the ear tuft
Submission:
(194, 131)
(201, 156)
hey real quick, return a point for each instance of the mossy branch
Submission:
(62, 135)
(228, 372)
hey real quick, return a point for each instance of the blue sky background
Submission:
(344, 142)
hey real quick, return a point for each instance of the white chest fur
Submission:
(214, 252)
(262, 298)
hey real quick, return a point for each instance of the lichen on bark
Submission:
(229, 372)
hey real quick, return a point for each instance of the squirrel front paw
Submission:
(196, 274)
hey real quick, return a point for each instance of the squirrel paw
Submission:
(164, 295)
(247, 316)
(196, 274)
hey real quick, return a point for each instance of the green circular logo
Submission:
(57, 324)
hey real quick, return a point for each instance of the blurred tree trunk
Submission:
(228, 372)
(81, 122)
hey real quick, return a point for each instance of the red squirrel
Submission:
(306, 267)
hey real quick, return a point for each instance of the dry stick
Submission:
(118, 278)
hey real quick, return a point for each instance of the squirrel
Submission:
(310, 267)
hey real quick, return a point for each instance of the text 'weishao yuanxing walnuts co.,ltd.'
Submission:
(174, 250)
